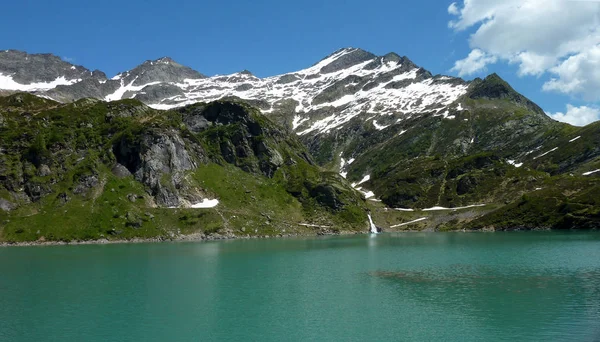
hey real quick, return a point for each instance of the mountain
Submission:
(92, 170)
(428, 151)
(39, 72)
(351, 81)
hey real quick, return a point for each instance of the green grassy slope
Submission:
(91, 170)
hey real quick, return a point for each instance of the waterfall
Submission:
(373, 226)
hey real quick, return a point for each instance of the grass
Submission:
(75, 141)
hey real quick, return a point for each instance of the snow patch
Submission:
(455, 208)
(591, 172)
(379, 127)
(514, 163)
(365, 179)
(206, 203)
(343, 164)
(119, 93)
(368, 194)
(7, 83)
(298, 121)
(411, 222)
(543, 154)
(574, 139)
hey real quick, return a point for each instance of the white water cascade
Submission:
(373, 226)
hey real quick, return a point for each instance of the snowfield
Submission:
(7, 83)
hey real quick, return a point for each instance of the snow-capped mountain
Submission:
(20, 71)
(349, 83)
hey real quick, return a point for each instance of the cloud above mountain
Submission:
(558, 38)
(577, 116)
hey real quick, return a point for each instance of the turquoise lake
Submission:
(522, 286)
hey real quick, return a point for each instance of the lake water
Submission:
(538, 286)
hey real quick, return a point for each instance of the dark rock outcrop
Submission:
(159, 160)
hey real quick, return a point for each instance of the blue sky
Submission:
(273, 37)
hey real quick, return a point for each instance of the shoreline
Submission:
(199, 237)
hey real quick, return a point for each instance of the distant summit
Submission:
(20, 71)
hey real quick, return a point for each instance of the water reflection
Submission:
(547, 300)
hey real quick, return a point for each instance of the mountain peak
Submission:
(491, 87)
(164, 69)
(344, 50)
(494, 87)
(166, 60)
(32, 72)
(161, 61)
(392, 56)
(344, 58)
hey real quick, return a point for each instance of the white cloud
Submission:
(453, 9)
(540, 36)
(577, 116)
(475, 62)
(531, 63)
(578, 74)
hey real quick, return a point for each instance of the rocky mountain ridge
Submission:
(349, 82)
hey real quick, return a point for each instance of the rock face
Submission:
(7, 205)
(120, 171)
(243, 144)
(159, 160)
(30, 72)
(85, 183)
